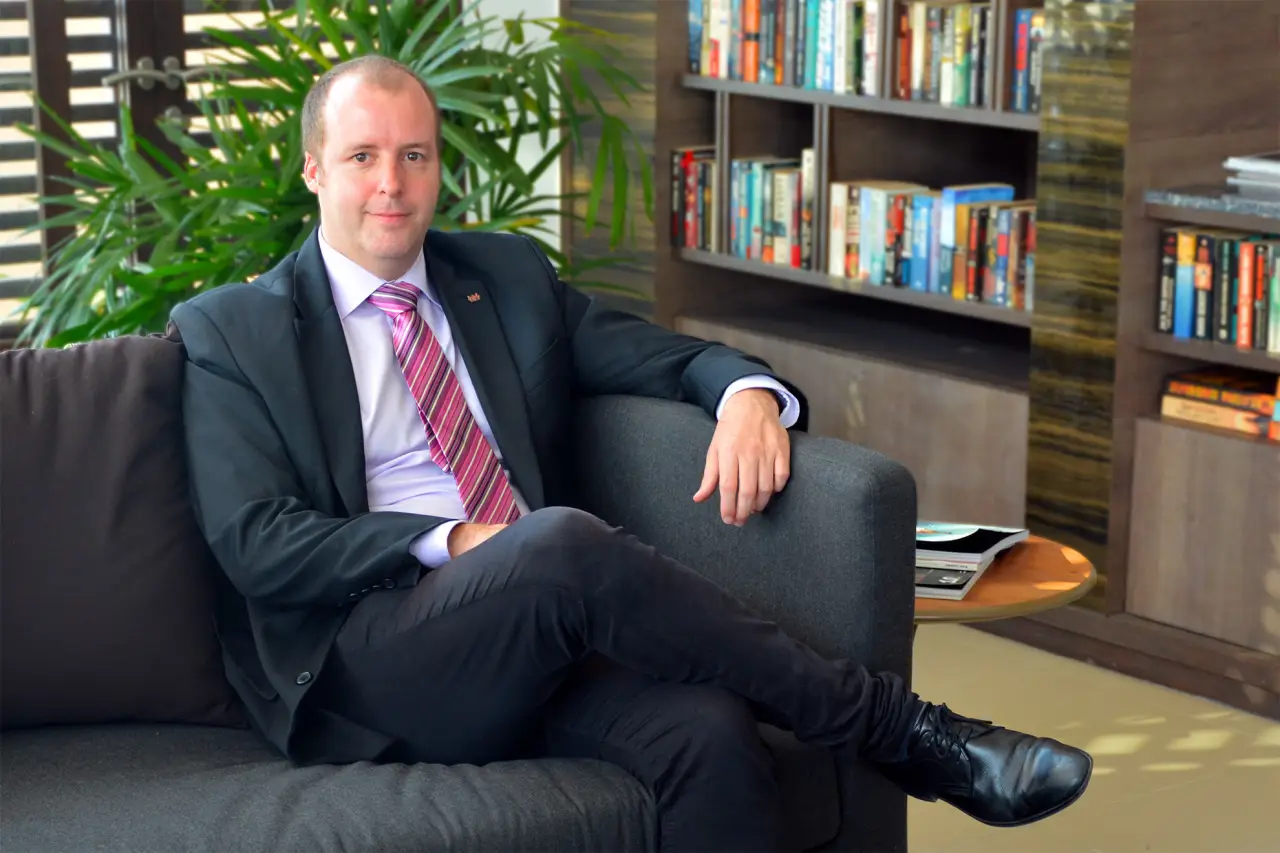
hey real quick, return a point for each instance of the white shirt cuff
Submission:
(790, 412)
(432, 548)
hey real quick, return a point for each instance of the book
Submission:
(1265, 163)
(951, 558)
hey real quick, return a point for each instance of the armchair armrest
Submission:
(830, 559)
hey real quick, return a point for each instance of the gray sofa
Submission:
(120, 733)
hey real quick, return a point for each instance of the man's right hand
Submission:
(467, 535)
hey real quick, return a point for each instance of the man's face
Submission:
(378, 173)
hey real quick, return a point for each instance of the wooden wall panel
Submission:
(964, 441)
(633, 27)
(1205, 550)
(1080, 189)
(1183, 55)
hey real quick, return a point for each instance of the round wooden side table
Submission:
(1035, 575)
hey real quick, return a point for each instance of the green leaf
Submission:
(598, 179)
(428, 20)
(620, 186)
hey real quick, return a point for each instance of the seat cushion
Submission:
(199, 788)
(105, 580)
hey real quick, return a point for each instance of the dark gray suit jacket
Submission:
(277, 460)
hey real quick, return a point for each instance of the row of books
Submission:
(1028, 60)
(971, 242)
(944, 53)
(694, 202)
(1220, 285)
(1231, 398)
(831, 45)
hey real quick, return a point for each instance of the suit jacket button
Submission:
(304, 677)
(355, 596)
(388, 584)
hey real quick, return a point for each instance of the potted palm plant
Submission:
(149, 229)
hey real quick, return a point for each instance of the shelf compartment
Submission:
(1204, 509)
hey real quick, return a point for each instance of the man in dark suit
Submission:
(376, 433)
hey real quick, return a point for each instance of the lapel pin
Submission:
(473, 297)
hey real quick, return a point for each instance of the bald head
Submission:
(378, 71)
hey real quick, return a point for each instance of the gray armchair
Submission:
(829, 560)
(120, 733)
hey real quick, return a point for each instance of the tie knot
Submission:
(395, 298)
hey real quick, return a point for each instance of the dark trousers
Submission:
(564, 636)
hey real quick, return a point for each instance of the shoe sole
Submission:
(1050, 812)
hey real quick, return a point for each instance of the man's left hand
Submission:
(749, 457)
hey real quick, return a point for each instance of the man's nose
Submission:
(389, 178)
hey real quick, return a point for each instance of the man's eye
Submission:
(361, 157)
(415, 156)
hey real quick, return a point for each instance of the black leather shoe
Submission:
(997, 776)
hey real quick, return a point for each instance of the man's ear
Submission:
(311, 172)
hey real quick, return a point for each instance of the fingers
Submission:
(710, 475)
(748, 483)
(764, 485)
(782, 464)
(729, 487)
(748, 475)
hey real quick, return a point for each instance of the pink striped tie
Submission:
(455, 441)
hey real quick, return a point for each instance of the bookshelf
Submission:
(853, 137)
(1195, 511)
(1184, 601)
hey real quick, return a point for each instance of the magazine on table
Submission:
(950, 557)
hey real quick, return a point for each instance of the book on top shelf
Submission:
(951, 558)
(1255, 174)
(828, 45)
(945, 53)
(940, 52)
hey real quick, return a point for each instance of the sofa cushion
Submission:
(133, 787)
(105, 580)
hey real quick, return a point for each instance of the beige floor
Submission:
(1173, 773)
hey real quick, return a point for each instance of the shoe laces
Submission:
(948, 733)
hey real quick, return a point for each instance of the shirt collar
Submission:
(352, 284)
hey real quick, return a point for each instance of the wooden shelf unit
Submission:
(1193, 509)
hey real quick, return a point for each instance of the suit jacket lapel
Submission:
(477, 331)
(331, 381)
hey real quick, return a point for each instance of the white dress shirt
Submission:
(399, 472)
